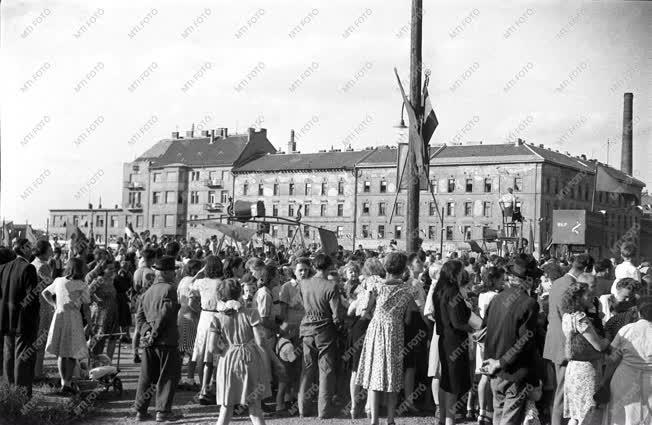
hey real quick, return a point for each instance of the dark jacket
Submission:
(511, 321)
(158, 311)
(19, 299)
(555, 339)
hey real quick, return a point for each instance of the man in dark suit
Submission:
(510, 343)
(554, 349)
(157, 321)
(19, 317)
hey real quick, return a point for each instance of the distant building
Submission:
(354, 193)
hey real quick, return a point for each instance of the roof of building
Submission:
(196, 151)
(331, 160)
(383, 155)
(562, 159)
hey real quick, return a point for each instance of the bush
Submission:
(17, 409)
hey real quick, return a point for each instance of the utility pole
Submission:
(413, 179)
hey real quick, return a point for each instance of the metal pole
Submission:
(106, 229)
(413, 189)
(355, 208)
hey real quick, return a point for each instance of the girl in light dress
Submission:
(66, 336)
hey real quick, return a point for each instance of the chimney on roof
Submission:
(292, 144)
(583, 157)
(224, 132)
(627, 148)
(541, 145)
(518, 142)
(212, 136)
(189, 134)
(205, 133)
(175, 134)
(250, 133)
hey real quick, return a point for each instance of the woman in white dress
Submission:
(205, 354)
(66, 336)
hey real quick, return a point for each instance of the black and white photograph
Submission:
(289, 212)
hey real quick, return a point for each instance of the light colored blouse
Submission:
(635, 342)
(207, 289)
(68, 294)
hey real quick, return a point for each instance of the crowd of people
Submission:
(502, 340)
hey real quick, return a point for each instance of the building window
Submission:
(340, 210)
(367, 187)
(114, 221)
(245, 188)
(290, 231)
(340, 188)
(450, 209)
(365, 231)
(383, 187)
(432, 209)
(139, 221)
(277, 189)
(99, 221)
(169, 220)
(340, 231)
(194, 176)
(306, 232)
(275, 231)
(322, 210)
(308, 188)
(381, 231)
(171, 176)
(397, 231)
(487, 185)
(194, 197)
(467, 233)
(224, 174)
(306, 209)
(156, 178)
(468, 208)
(291, 189)
(275, 210)
(451, 185)
(518, 184)
(156, 197)
(324, 189)
(261, 190)
(156, 220)
(224, 196)
(449, 233)
(432, 232)
(211, 197)
(169, 197)
(290, 210)
(365, 208)
(469, 185)
(433, 185)
(486, 209)
(381, 208)
(400, 211)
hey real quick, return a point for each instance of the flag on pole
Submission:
(416, 140)
(29, 235)
(430, 121)
(129, 231)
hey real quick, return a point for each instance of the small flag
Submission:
(430, 121)
(29, 235)
(129, 231)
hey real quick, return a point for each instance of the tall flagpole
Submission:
(413, 189)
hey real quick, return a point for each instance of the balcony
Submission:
(134, 185)
(135, 206)
(214, 183)
(214, 206)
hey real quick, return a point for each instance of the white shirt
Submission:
(508, 199)
(625, 270)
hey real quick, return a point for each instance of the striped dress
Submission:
(188, 317)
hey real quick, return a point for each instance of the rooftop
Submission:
(331, 160)
(196, 151)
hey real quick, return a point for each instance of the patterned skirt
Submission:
(187, 322)
(580, 384)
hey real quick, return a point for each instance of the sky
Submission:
(87, 86)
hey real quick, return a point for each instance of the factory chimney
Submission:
(627, 147)
(292, 145)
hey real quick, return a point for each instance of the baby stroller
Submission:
(103, 372)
